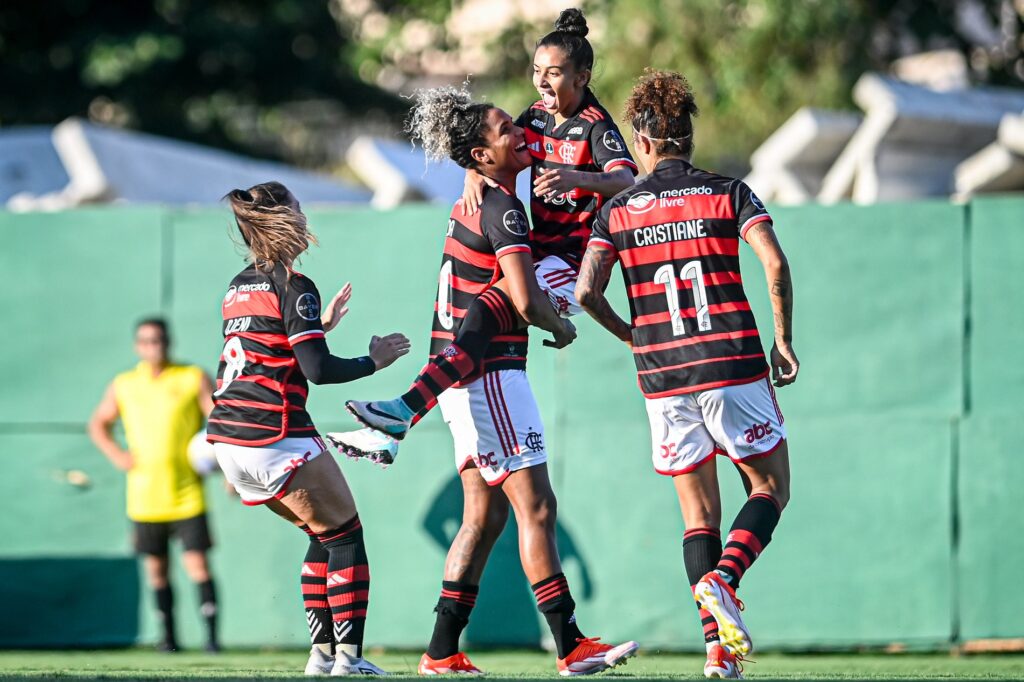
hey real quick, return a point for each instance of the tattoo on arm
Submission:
(762, 238)
(594, 275)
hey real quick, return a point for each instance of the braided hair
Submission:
(662, 107)
(448, 124)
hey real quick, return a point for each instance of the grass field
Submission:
(143, 664)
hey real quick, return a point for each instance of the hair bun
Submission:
(241, 195)
(572, 21)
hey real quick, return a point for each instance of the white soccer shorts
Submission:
(495, 424)
(741, 421)
(557, 279)
(261, 474)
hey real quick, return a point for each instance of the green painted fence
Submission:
(902, 431)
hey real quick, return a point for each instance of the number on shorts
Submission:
(444, 296)
(234, 363)
(692, 271)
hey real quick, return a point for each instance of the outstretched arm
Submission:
(320, 367)
(595, 272)
(762, 239)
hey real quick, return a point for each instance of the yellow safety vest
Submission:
(160, 415)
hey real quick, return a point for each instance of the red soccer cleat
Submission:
(722, 665)
(590, 656)
(456, 664)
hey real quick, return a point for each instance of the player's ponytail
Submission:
(570, 36)
(448, 124)
(662, 107)
(271, 223)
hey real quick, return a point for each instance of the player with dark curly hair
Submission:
(699, 359)
(500, 451)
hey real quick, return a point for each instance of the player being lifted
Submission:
(578, 158)
(494, 420)
(264, 439)
(696, 347)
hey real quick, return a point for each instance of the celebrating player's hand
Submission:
(473, 191)
(566, 336)
(337, 308)
(784, 364)
(385, 350)
(554, 182)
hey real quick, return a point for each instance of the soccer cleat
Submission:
(392, 417)
(721, 665)
(319, 663)
(456, 664)
(590, 656)
(349, 665)
(718, 598)
(371, 444)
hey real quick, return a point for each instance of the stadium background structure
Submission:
(904, 426)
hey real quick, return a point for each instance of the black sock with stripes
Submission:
(453, 609)
(348, 585)
(208, 608)
(702, 548)
(555, 601)
(749, 535)
(165, 608)
(313, 577)
(490, 314)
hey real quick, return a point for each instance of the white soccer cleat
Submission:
(319, 663)
(721, 665)
(371, 444)
(349, 665)
(718, 598)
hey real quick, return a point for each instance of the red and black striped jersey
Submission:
(589, 141)
(261, 391)
(470, 266)
(676, 234)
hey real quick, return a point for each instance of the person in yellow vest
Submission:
(161, 405)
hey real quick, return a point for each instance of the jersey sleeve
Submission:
(300, 310)
(601, 233)
(504, 224)
(608, 148)
(748, 208)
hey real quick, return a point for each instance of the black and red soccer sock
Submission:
(165, 608)
(702, 549)
(556, 603)
(314, 594)
(208, 608)
(750, 534)
(453, 609)
(490, 314)
(348, 585)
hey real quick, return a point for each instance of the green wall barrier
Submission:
(878, 447)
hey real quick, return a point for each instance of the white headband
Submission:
(677, 141)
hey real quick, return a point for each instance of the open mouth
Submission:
(521, 147)
(548, 99)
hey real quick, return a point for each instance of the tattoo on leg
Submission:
(780, 288)
(462, 553)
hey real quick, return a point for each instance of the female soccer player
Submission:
(578, 158)
(264, 439)
(696, 347)
(494, 420)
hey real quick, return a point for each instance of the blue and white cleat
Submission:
(370, 444)
(392, 417)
